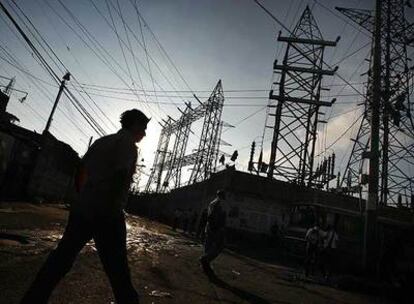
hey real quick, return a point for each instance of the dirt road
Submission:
(163, 263)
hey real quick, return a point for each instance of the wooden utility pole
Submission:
(370, 253)
(65, 78)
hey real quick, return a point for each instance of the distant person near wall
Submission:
(193, 221)
(177, 218)
(329, 254)
(313, 240)
(103, 183)
(215, 232)
(200, 234)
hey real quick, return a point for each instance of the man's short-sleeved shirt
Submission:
(313, 236)
(104, 158)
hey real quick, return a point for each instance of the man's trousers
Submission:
(109, 234)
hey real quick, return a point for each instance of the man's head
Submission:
(136, 122)
(221, 194)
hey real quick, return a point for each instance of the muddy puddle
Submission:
(139, 239)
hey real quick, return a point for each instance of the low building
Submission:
(32, 165)
(258, 208)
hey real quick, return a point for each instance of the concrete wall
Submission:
(35, 166)
(6, 146)
(17, 164)
(52, 178)
(255, 203)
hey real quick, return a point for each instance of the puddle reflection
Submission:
(139, 239)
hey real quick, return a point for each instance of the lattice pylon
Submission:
(296, 106)
(174, 167)
(396, 110)
(206, 158)
(154, 180)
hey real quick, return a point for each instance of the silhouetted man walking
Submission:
(103, 182)
(215, 232)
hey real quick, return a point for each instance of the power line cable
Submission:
(143, 47)
(130, 46)
(98, 49)
(119, 41)
(58, 59)
(146, 53)
(43, 91)
(32, 46)
(161, 46)
(247, 117)
(342, 135)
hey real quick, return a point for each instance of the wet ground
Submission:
(163, 264)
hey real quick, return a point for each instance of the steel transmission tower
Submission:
(396, 157)
(166, 170)
(206, 158)
(160, 158)
(294, 111)
(177, 160)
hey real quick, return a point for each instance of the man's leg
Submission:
(59, 261)
(204, 259)
(216, 248)
(213, 246)
(110, 240)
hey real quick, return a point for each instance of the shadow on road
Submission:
(242, 294)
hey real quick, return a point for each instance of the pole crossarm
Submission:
(303, 70)
(299, 100)
(306, 41)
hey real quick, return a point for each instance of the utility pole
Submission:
(65, 78)
(370, 254)
(90, 142)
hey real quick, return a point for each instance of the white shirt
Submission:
(104, 158)
(313, 236)
(331, 239)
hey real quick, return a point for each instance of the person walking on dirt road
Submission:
(102, 182)
(214, 232)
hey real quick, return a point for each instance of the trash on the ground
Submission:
(235, 272)
(161, 294)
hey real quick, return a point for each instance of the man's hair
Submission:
(134, 116)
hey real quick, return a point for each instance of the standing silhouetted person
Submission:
(193, 221)
(313, 240)
(103, 182)
(328, 255)
(200, 234)
(177, 219)
(186, 219)
(215, 232)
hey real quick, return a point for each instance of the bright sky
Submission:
(231, 40)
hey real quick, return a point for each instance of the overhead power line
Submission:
(36, 52)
